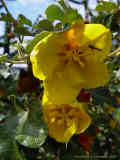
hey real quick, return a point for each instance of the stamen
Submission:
(76, 53)
(92, 47)
(79, 52)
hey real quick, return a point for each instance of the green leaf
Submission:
(54, 12)
(9, 149)
(14, 121)
(8, 130)
(101, 95)
(23, 20)
(59, 27)
(33, 42)
(8, 146)
(14, 118)
(116, 114)
(32, 136)
(44, 25)
(6, 18)
(106, 6)
(22, 31)
(3, 57)
(63, 4)
(70, 16)
(34, 131)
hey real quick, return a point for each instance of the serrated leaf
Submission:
(54, 12)
(106, 6)
(44, 25)
(23, 20)
(34, 41)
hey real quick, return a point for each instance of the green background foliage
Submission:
(23, 134)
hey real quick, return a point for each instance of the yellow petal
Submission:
(59, 90)
(57, 129)
(94, 73)
(100, 37)
(74, 34)
(61, 133)
(95, 31)
(69, 119)
(84, 120)
(65, 86)
(45, 55)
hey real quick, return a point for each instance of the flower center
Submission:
(77, 54)
(64, 115)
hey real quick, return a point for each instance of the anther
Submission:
(79, 52)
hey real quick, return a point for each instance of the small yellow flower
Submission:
(71, 60)
(113, 123)
(65, 120)
(110, 110)
(118, 100)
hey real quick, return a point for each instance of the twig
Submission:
(114, 52)
(95, 157)
(3, 3)
(118, 2)
(76, 2)
(15, 62)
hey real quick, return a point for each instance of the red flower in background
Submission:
(86, 141)
(27, 83)
(84, 96)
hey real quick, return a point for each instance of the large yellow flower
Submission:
(65, 120)
(71, 60)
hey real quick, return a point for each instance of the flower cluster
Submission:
(67, 62)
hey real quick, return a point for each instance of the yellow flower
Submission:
(113, 123)
(110, 110)
(65, 120)
(71, 60)
(118, 100)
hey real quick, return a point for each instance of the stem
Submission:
(76, 2)
(3, 3)
(15, 62)
(23, 60)
(118, 2)
(114, 52)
